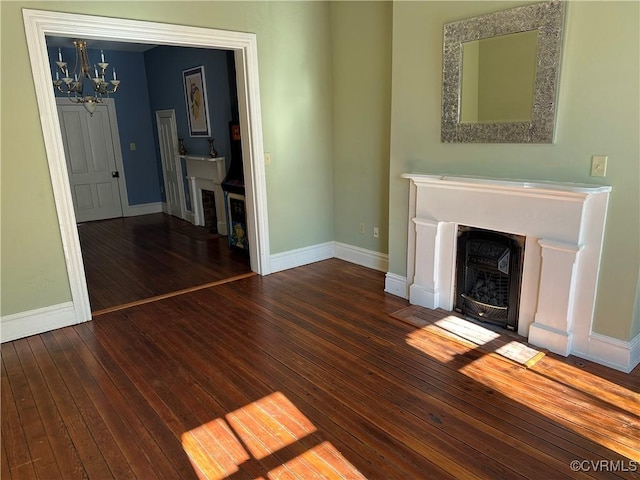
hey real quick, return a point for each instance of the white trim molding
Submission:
(362, 256)
(33, 322)
(324, 251)
(612, 352)
(396, 285)
(301, 256)
(608, 351)
(143, 209)
(38, 24)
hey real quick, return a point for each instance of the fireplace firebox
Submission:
(489, 273)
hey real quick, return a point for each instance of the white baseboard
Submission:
(553, 339)
(396, 285)
(301, 256)
(611, 352)
(32, 322)
(607, 351)
(361, 256)
(190, 217)
(143, 209)
(324, 251)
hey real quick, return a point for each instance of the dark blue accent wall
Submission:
(164, 67)
(142, 173)
(152, 81)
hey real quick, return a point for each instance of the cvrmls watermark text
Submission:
(604, 465)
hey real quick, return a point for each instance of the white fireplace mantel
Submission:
(206, 173)
(563, 224)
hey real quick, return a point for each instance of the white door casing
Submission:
(91, 162)
(171, 163)
(40, 23)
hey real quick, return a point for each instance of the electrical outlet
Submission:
(132, 146)
(267, 158)
(376, 232)
(599, 166)
(361, 228)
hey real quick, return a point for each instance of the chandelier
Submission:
(92, 92)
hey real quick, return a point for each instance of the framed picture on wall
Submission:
(195, 94)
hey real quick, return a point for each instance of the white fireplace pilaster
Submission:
(206, 173)
(425, 287)
(433, 282)
(553, 322)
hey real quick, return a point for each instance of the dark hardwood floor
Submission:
(301, 374)
(134, 258)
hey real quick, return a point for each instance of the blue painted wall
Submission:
(152, 81)
(141, 165)
(164, 66)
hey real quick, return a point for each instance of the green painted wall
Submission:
(361, 53)
(599, 113)
(340, 135)
(295, 80)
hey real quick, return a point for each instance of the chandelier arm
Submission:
(74, 85)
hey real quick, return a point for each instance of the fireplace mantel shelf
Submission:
(507, 183)
(202, 159)
(563, 225)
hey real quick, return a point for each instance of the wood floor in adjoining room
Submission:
(135, 258)
(298, 375)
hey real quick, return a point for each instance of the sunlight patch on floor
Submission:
(485, 340)
(422, 339)
(251, 435)
(314, 462)
(467, 330)
(269, 424)
(605, 403)
(579, 405)
(214, 449)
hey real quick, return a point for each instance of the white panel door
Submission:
(171, 169)
(91, 162)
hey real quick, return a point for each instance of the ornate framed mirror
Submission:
(500, 75)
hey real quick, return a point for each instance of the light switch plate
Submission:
(599, 166)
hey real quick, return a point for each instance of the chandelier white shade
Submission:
(72, 83)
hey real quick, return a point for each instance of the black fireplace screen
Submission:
(489, 273)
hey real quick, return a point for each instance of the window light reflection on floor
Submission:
(250, 435)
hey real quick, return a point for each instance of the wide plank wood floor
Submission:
(134, 258)
(300, 375)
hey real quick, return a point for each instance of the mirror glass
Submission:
(498, 78)
(500, 75)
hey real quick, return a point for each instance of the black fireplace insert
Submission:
(489, 274)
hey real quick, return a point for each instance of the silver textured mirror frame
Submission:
(548, 19)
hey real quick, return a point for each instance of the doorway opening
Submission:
(39, 24)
